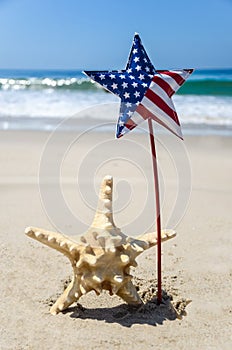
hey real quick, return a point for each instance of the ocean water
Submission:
(31, 99)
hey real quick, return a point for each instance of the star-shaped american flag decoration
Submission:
(144, 91)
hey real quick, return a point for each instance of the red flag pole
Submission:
(158, 219)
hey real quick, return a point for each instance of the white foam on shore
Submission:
(41, 106)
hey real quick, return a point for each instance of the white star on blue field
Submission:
(130, 84)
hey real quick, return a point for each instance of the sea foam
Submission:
(205, 99)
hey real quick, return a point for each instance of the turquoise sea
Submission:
(39, 99)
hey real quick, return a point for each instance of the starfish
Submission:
(101, 258)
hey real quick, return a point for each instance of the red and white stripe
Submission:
(157, 103)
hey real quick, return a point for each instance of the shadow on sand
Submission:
(150, 313)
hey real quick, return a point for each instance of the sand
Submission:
(196, 264)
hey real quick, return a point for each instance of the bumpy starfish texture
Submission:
(102, 257)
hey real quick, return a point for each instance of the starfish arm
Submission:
(129, 294)
(53, 239)
(151, 237)
(71, 294)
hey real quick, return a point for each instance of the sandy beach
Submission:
(196, 264)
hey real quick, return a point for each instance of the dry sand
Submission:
(196, 264)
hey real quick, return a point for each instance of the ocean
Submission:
(39, 100)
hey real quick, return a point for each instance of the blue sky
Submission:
(74, 34)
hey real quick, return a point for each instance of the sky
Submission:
(97, 34)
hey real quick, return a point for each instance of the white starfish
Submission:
(102, 257)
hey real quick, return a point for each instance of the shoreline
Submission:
(51, 124)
